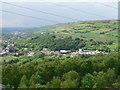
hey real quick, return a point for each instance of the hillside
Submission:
(102, 31)
(35, 60)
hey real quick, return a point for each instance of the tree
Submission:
(69, 84)
(110, 77)
(70, 80)
(11, 75)
(23, 82)
(105, 79)
(55, 83)
(117, 83)
(88, 81)
(35, 79)
(86, 67)
(38, 85)
(71, 75)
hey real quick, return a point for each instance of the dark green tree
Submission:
(88, 81)
(23, 82)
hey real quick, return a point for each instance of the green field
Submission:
(104, 31)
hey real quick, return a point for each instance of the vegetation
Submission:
(81, 71)
(99, 71)
(92, 35)
(66, 43)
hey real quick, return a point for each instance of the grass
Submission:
(8, 57)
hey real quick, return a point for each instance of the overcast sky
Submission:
(83, 10)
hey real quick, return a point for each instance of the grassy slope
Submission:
(88, 30)
(83, 30)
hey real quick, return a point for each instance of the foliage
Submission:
(90, 72)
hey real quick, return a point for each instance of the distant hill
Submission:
(103, 31)
(86, 29)
(15, 29)
(93, 33)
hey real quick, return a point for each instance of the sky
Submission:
(79, 10)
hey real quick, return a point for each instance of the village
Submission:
(12, 50)
(46, 52)
(71, 53)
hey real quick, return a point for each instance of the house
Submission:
(9, 47)
(3, 53)
(30, 53)
(72, 54)
(47, 51)
(65, 51)
(90, 52)
(57, 53)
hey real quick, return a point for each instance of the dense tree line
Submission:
(99, 71)
(55, 43)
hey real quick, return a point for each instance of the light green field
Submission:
(89, 30)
